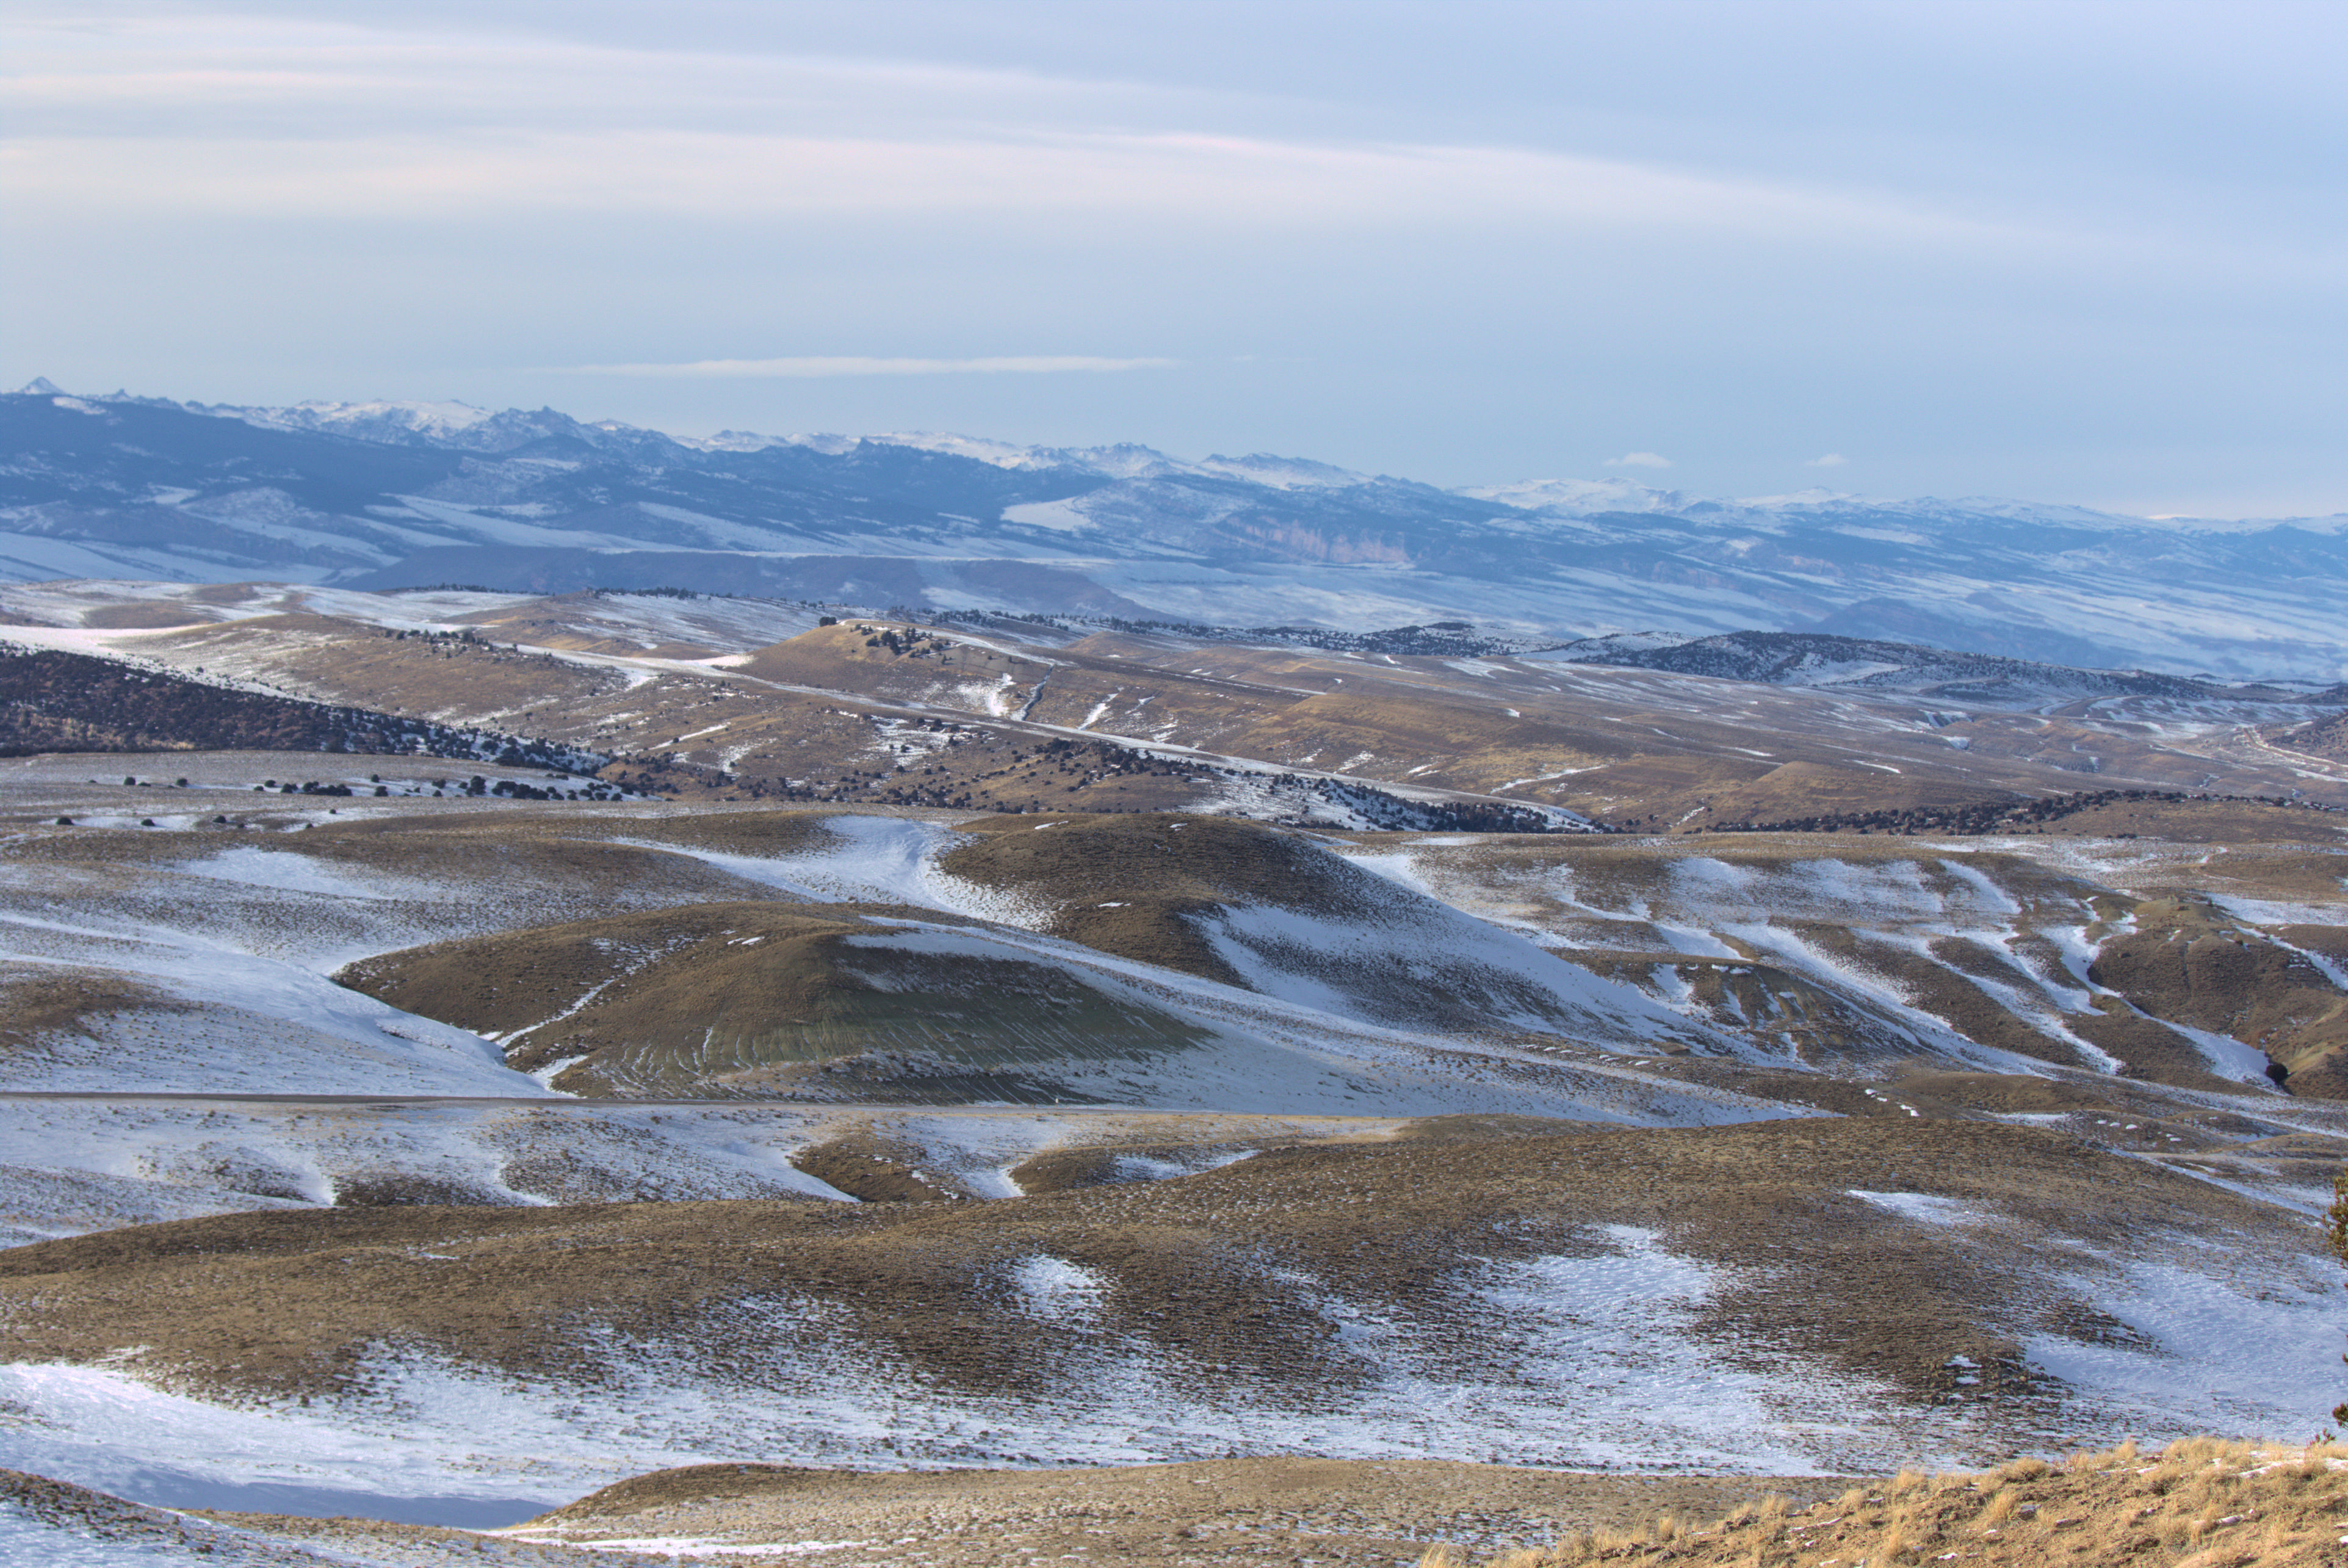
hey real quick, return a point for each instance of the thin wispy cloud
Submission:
(1638, 460)
(867, 365)
(285, 117)
(1830, 460)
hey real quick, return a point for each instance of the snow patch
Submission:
(1924, 1208)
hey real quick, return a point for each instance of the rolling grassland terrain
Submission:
(600, 1076)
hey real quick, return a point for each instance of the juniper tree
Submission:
(2335, 1236)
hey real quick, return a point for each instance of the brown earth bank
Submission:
(1224, 1279)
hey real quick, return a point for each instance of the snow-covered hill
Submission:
(398, 494)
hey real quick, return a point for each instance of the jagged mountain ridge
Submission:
(382, 494)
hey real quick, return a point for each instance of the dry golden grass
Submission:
(1270, 1512)
(2203, 1502)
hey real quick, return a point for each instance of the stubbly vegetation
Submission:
(2206, 1502)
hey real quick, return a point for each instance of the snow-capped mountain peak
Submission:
(1280, 473)
(1578, 497)
(370, 420)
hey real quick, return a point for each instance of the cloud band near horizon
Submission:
(866, 365)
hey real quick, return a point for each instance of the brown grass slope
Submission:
(761, 998)
(898, 662)
(1327, 1511)
(1656, 754)
(2189, 961)
(2201, 1503)
(2326, 738)
(37, 1004)
(1218, 1278)
(1631, 746)
(1384, 730)
(1134, 885)
(456, 679)
(581, 623)
(517, 866)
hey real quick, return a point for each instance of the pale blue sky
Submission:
(2087, 252)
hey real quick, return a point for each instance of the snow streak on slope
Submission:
(1321, 1028)
(1869, 959)
(1401, 968)
(229, 990)
(74, 1166)
(2185, 1366)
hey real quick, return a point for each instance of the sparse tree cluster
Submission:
(2335, 1236)
(1394, 814)
(1981, 817)
(52, 701)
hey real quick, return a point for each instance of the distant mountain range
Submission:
(384, 495)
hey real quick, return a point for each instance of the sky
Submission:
(2085, 252)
